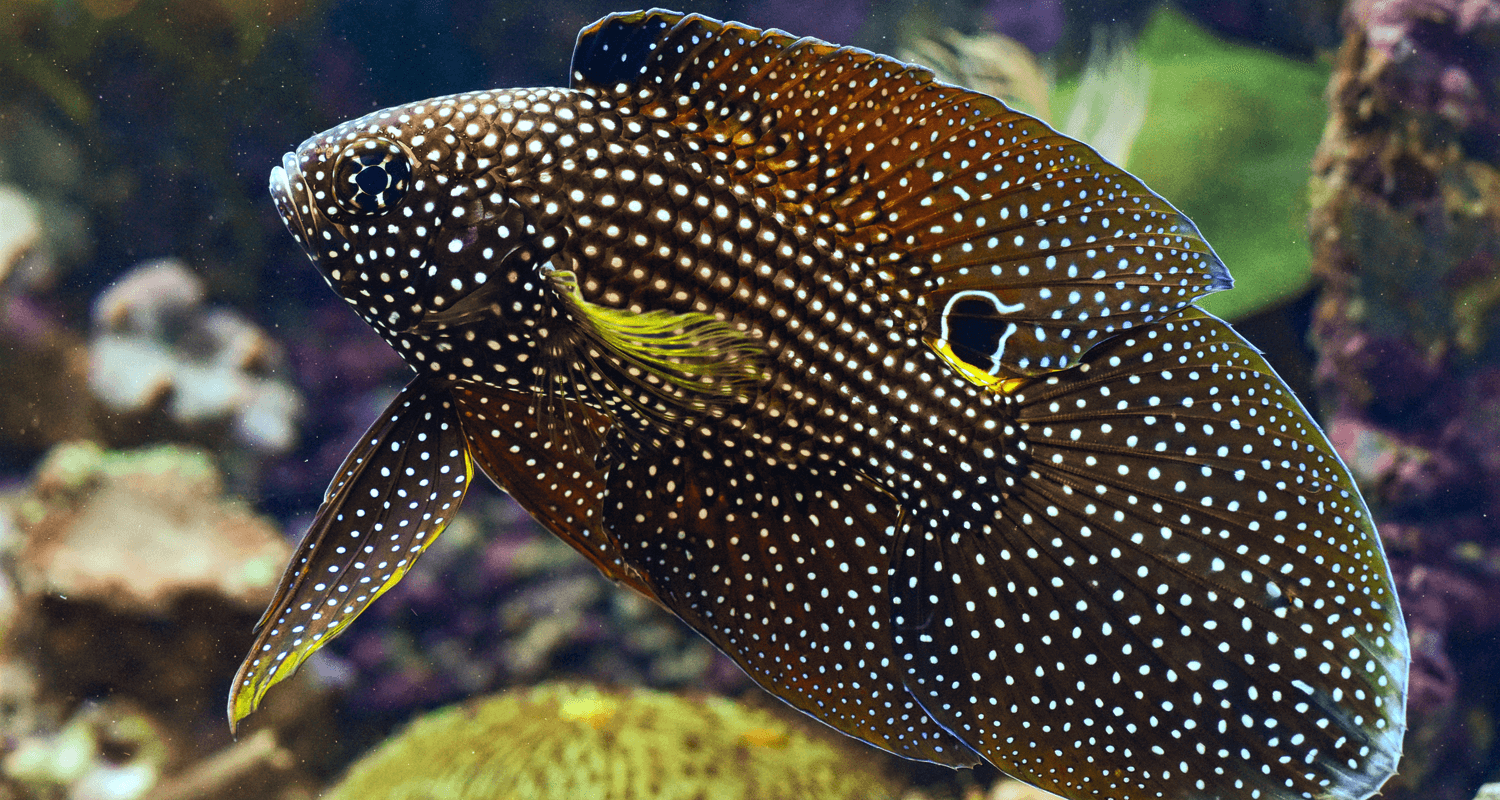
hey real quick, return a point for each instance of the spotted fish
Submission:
(894, 394)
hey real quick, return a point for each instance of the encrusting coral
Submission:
(126, 581)
(579, 742)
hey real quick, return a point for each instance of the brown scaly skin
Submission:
(892, 393)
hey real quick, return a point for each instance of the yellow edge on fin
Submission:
(996, 383)
(242, 703)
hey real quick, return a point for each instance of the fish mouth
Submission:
(289, 192)
(281, 188)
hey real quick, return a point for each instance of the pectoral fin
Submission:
(543, 455)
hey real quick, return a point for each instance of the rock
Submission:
(165, 362)
(130, 577)
(1406, 233)
(141, 532)
(84, 758)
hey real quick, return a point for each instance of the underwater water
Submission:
(180, 385)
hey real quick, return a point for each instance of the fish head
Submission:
(409, 215)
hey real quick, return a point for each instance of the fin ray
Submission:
(393, 496)
(1176, 517)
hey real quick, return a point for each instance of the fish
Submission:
(894, 394)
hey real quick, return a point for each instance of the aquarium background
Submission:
(177, 385)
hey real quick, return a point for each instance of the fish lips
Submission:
(321, 240)
(286, 199)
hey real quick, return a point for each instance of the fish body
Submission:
(894, 394)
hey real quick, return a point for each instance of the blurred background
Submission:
(178, 386)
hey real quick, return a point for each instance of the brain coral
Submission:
(577, 742)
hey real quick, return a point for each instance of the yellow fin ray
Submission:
(665, 367)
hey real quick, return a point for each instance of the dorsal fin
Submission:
(1017, 247)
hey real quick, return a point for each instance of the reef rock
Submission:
(167, 363)
(1406, 233)
(129, 585)
(140, 532)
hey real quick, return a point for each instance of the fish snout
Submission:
(290, 192)
(284, 178)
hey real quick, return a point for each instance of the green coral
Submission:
(577, 742)
(1228, 139)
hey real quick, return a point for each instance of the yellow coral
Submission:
(576, 742)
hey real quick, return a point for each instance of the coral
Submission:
(45, 368)
(20, 230)
(111, 528)
(1406, 233)
(573, 741)
(167, 363)
(128, 587)
(112, 750)
(45, 163)
(104, 752)
(1439, 57)
(137, 555)
(161, 364)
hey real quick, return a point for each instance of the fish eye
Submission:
(371, 177)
